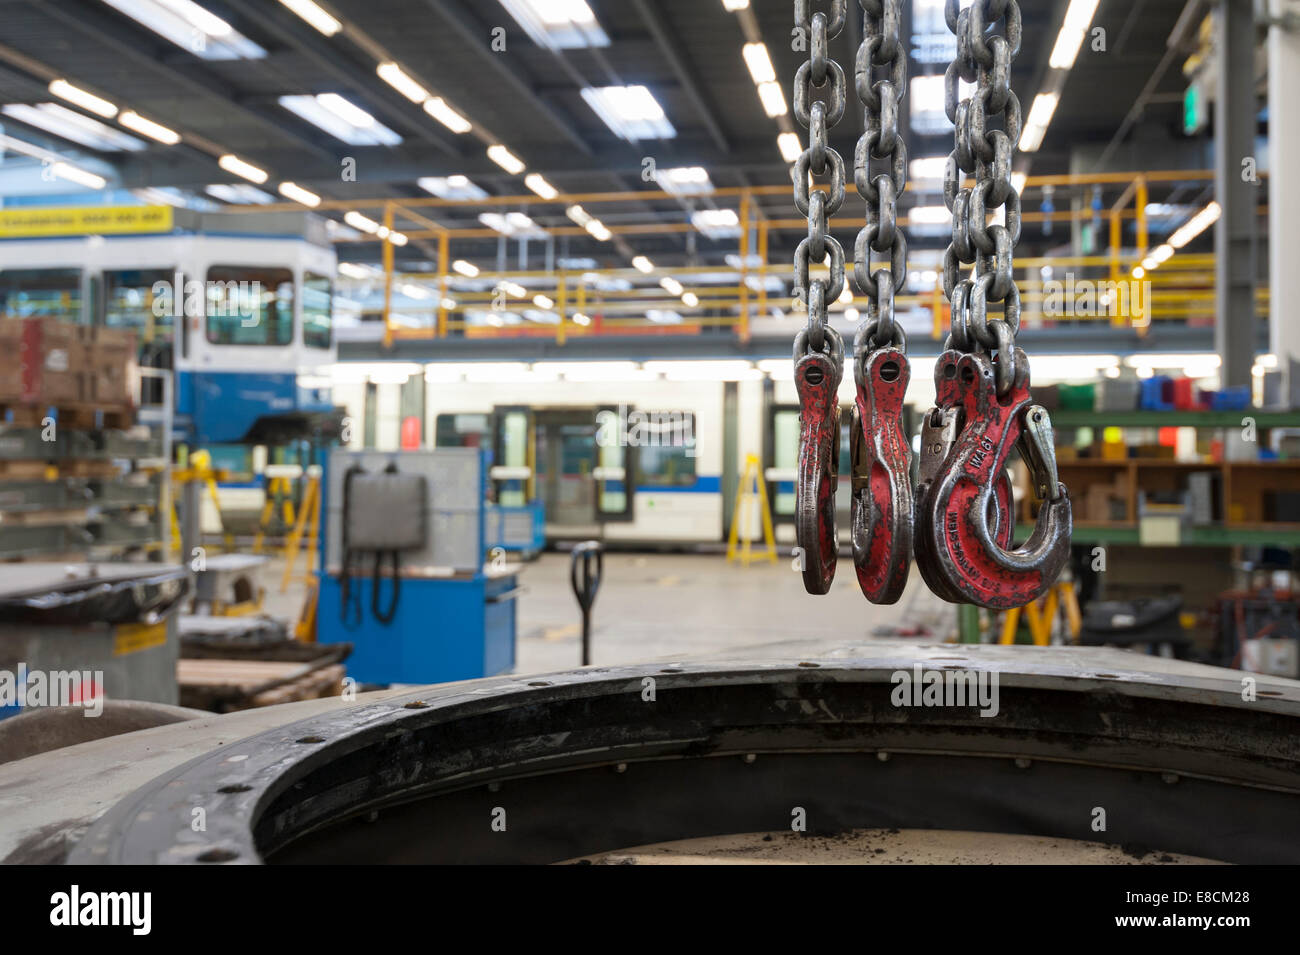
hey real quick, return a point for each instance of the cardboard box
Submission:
(59, 363)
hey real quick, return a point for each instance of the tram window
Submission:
(460, 430)
(316, 307)
(665, 445)
(249, 306)
(41, 293)
(130, 302)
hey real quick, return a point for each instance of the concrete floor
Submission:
(653, 606)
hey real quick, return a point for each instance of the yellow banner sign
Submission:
(84, 220)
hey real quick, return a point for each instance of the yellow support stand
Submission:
(1040, 614)
(751, 487)
(279, 490)
(200, 469)
(307, 526)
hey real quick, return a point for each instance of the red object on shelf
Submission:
(410, 433)
(1184, 394)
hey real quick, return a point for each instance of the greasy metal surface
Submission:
(882, 478)
(960, 549)
(584, 762)
(817, 380)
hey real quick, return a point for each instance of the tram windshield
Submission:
(249, 306)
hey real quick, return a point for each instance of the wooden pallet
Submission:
(226, 685)
(45, 518)
(13, 470)
(78, 417)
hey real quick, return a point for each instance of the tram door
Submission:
(129, 301)
(577, 461)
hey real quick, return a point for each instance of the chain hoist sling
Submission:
(964, 519)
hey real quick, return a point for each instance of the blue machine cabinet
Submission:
(456, 617)
(445, 629)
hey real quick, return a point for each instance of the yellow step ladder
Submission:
(752, 487)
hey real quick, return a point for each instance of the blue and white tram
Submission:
(240, 313)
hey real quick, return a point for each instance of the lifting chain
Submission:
(818, 348)
(964, 516)
(881, 454)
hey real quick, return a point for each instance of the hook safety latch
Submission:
(817, 380)
(953, 521)
(939, 431)
(882, 476)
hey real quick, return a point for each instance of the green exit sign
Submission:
(1193, 110)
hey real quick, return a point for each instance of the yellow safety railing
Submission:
(1182, 289)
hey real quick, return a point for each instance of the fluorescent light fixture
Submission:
(539, 185)
(642, 264)
(1040, 117)
(928, 116)
(581, 319)
(790, 147)
(851, 314)
(597, 230)
(685, 181)
(467, 269)
(542, 302)
(414, 291)
(78, 175)
(147, 127)
(579, 215)
(1196, 225)
(397, 238)
(514, 289)
(437, 107)
(167, 196)
(364, 223)
(86, 100)
(759, 63)
(1077, 20)
(353, 271)
(773, 99)
(927, 170)
(662, 316)
(451, 187)
(447, 303)
(1162, 254)
(846, 295)
(341, 118)
(1139, 272)
(670, 285)
(690, 300)
(313, 14)
(394, 76)
(512, 224)
(631, 112)
(191, 27)
(731, 6)
(1018, 180)
(239, 194)
(233, 164)
(718, 370)
(297, 193)
(929, 215)
(70, 125)
(557, 24)
(506, 159)
(717, 223)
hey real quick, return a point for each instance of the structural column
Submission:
(1284, 184)
(1234, 237)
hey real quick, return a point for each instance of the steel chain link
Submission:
(880, 171)
(821, 75)
(984, 57)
